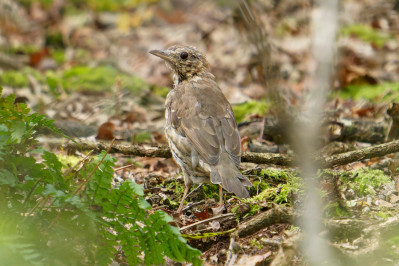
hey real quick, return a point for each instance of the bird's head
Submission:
(185, 61)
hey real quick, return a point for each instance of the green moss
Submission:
(285, 26)
(367, 34)
(45, 3)
(242, 111)
(384, 214)
(176, 187)
(96, 5)
(53, 82)
(270, 192)
(375, 93)
(68, 161)
(14, 79)
(19, 78)
(364, 181)
(259, 186)
(101, 78)
(290, 183)
(276, 175)
(254, 209)
(293, 228)
(116, 5)
(211, 191)
(333, 209)
(142, 137)
(21, 49)
(58, 55)
(255, 243)
(160, 91)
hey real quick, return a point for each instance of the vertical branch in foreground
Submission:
(270, 72)
(324, 27)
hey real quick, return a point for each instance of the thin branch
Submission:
(207, 220)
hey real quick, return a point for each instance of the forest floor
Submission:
(88, 68)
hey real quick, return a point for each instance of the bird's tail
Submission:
(226, 174)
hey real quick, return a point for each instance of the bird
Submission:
(200, 125)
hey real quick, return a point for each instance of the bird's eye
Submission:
(183, 55)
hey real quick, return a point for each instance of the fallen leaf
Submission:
(106, 131)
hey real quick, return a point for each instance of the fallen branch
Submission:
(362, 154)
(207, 220)
(122, 148)
(259, 158)
(164, 152)
(276, 215)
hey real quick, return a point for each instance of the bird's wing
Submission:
(206, 118)
(232, 141)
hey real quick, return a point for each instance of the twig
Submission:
(192, 191)
(207, 220)
(123, 167)
(77, 164)
(189, 206)
(231, 256)
(31, 191)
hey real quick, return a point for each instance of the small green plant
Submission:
(367, 34)
(374, 93)
(256, 243)
(364, 181)
(100, 78)
(242, 111)
(142, 137)
(73, 217)
(280, 195)
(160, 91)
(19, 78)
(95, 5)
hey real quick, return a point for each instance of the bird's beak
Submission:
(164, 54)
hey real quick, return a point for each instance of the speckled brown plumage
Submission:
(200, 125)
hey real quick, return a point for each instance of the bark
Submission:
(258, 158)
(276, 215)
(337, 130)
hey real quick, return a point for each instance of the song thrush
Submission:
(200, 125)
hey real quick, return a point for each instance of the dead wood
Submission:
(276, 215)
(258, 158)
(164, 152)
(362, 154)
(220, 217)
(342, 129)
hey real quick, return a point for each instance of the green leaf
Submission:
(144, 204)
(18, 129)
(137, 189)
(7, 178)
(164, 216)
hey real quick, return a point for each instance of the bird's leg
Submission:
(220, 196)
(186, 189)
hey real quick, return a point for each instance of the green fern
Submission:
(76, 219)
